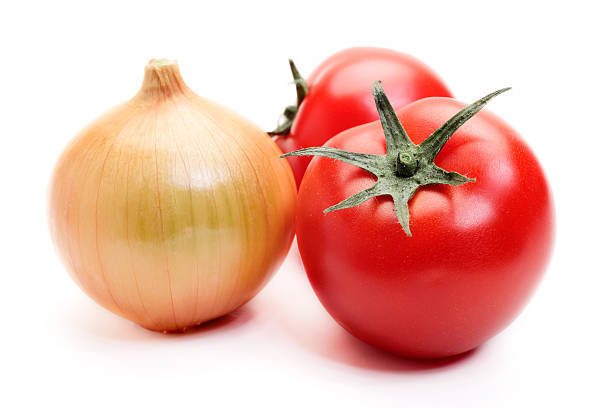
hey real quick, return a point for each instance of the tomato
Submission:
(338, 97)
(478, 248)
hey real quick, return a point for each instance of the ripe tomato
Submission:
(338, 96)
(477, 251)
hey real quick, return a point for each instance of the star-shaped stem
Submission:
(406, 166)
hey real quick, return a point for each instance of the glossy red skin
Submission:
(476, 255)
(340, 95)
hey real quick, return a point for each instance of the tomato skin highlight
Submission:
(339, 95)
(477, 252)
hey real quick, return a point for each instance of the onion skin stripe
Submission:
(162, 234)
(101, 266)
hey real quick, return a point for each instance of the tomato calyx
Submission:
(406, 166)
(288, 116)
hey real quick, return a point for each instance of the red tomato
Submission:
(339, 96)
(477, 251)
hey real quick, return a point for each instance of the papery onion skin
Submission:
(169, 209)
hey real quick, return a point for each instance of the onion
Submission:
(169, 209)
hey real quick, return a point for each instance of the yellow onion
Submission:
(169, 209)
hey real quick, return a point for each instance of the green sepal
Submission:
(395, 135)
(436, 141)
(369, 162)
(288, 116)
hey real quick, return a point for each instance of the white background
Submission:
(63, 63)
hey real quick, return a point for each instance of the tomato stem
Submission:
(288, 116)
(406, 166)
